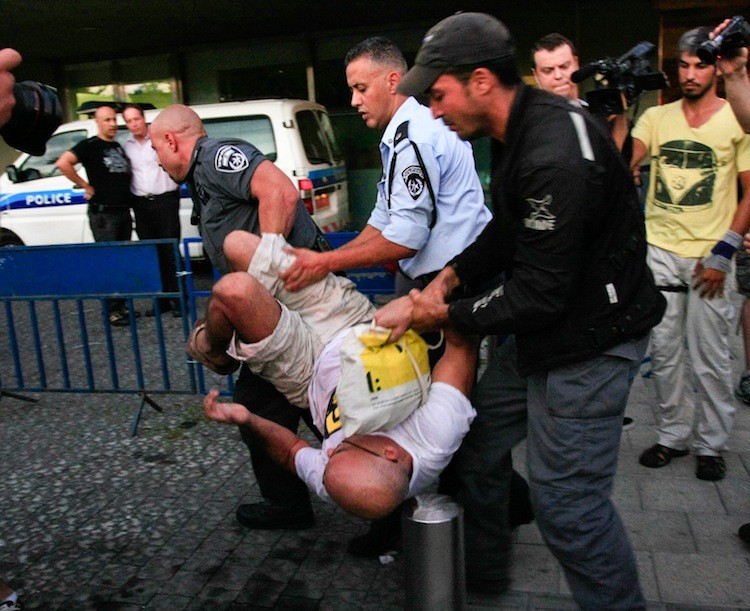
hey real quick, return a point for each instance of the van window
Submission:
(314, 138)
(44, 166)
(256, 130)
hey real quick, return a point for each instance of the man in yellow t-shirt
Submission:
(694, 225)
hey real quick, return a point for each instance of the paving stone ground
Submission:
(92, 518)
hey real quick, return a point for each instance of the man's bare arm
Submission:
(310, 266)
(458, 364)
(66, 164)
(281, 444)
(277, 199)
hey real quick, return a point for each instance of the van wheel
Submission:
(8, 238)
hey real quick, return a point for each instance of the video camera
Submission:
(35, 116)
(734, 36)
(620, 81)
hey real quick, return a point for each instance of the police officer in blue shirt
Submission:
(430, 202)
(429, 206)
(234, 186)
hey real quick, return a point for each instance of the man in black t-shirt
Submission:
(107, 189)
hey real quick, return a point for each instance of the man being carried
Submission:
(293, 340)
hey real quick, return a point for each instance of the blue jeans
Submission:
(573, 418)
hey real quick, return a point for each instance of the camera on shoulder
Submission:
(619, 82)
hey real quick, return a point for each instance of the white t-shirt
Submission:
(431, 434)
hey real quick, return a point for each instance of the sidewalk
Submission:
(91, 518)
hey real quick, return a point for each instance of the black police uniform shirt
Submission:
(219, 184)
(108, 171)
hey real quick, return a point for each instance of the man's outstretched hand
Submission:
(231, 413)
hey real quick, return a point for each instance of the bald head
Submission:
(372, 483)
(106, 123)
(174, 133)
(178, 119)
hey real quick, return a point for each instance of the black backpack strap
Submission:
(402, 133)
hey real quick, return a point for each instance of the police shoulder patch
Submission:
(414, 180)
(230, 158)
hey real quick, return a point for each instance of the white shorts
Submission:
(310, 318)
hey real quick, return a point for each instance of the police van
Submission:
(38, 205)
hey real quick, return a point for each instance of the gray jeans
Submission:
(573, 418)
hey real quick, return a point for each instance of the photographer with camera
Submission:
(694, 224)
(554, 62)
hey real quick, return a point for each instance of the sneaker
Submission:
(383, 536)
(743, 389)
(627, 423)
(660, 456)
(744, 533)
(271, 516)
(711, 468)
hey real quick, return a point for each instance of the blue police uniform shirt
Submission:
(449, 162)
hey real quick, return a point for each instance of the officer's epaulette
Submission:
(402, 133)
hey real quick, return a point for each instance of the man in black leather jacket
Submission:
(578, 299)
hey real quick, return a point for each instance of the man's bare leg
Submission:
(238, 303)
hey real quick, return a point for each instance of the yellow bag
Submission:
(381, 383)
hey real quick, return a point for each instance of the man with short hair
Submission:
(293, 339)
(555, 59)
(233, 186)
(694, 224)
(578, 299)
(107, 190)
(156, 202)
(430, 202)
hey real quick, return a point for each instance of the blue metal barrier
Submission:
(61, 292)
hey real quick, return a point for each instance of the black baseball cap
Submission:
(463, 39)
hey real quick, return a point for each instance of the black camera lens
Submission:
(734, 36)
(35, 116)
(709, 51)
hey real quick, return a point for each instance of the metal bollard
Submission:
(433, 538)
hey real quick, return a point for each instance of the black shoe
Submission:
(121, 318)
(744, 533)
(711, 468)
(627, 423)
(166, 306)
(384, 536)
(270, 516)
(487, 587)
(660, 456)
